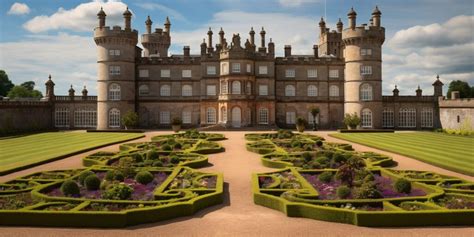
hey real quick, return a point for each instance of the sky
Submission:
(423, 37)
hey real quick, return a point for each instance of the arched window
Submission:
(224, 88)
(223, 115)
(186, 116)
(334, 90)
(312, 90)
(114, 118)
(263, 116)
(407, 117)
(366, 118)
(290, 90)
(114, 91)
(236, 87)
(366, 92)
(143, 90)
(186, 90)
(211, 115)
(165, 90)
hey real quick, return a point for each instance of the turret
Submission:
(339, 26)
(419, 91)
(210, 49)
(252, 36)
(271, 48)
(322, 26)
(156, 43)
(101, 16)
(71, 93)
(168, 25)
(84, 93)
(438, 87)
(148, 24)
(262, 49)
(221, 37)
(203, 47)
(287, 51)
(315, 51)
(50, 89)
(376, 16)
(127, 15)
(352, 18)
(186, 51)
(395, 91)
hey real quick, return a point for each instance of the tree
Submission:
(19, 92)
(30, 85)
(461, 86)
(314, 112)
(5, 84)
(130, 119)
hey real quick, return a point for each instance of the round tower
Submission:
(363, 71)
(156, 43)
(115, 71)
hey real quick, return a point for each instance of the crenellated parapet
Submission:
(363, 34)
(115, 35)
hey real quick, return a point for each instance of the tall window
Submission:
(211, 70)
(114, 70)
(114, 118)
(262, 70)
(224, 87)
(388, 118)
(249, 68)
(165, 90)
(312, 73)
(427, 117)
(211, 90)
(248, 89)
(365, 70)
(186, 73)
(61, 117)
(263, 89)
(165, 117)
(366, 118)
(236, 67)
(114, 91)
(165, 73)
(290, 73)
(211, 115)
(224, 68)
(334, 73)
(290, 117)
(223, 115)
(114, 52)
(85, 118)
(186, 117)
(407, 117)
(290, 90)
(366, 92)
(236, 87)
(143, 90)
(365, 52)
(186, 90)
(263, 116)
(143, 73)
(333, 90)
(312, 90)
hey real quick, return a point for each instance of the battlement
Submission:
(173, 60)
(307, 60)
(374, 33)
(455, 103)
(159, 37)
(115, 31)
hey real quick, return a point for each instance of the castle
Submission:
(242, 84)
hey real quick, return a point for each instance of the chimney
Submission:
(186, 50)
(287, 51)
(419, 91)
(315, 51)
(455, 95)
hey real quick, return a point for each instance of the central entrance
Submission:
(236, 117)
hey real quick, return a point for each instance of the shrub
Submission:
(343, 192)
(325, 177)
(83, 176)
(319, 143)
(130, 119)
(367, 190)
(126, 166)
(351, 120)
(339, 157)
(92, 182)
(315, 165)
(322, 160)
(152, 155)
(177, 146)
(307, 156)
(70, 188)
(166, 147)
(176, 121)
(144, 177)
(157, 163)
(295, 144)
(118, 192)
(174, 160)
(403, 186)
(112, 175)
(137, 157)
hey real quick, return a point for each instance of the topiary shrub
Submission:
(174, 160)
(343, 192)
(315, 165)
(295, 144)
(92, 182)
(152, 155)
(144, 177)
(307, 156)
(322, 160)
(118, 192)
(325, 177)
(177, 146)
(319, 143)
(367, 190)
(166, 147)
(70, 188)
(137, 157)
(83, 176)
(157, 163)
(339, 157)
(112, 175)
(403, 186)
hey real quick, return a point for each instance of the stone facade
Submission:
(456, 113)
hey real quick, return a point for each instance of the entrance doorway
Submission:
(236, 117)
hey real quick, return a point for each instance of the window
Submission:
(114, 91)
(224, 87)
(211, 70)
(61, 117)
(366, 92)
(114, 70)
(263, 90)
(311, 118)
(224, 69)
(186, 73)
(388, 118)
(114, 52)
(312, 90)
(143, 73)
(165, 117)
(187, 90)
(365, 70)
(427, 117)
(334, 73)
(249, 88)
(143, 90)
(165, 90)
(236, 67)
(236, 87)
(364, 52)
(85, 118)
(290, 117)
(186, 117)
(263, 70)
(290, 90)
(165, 73)
(211, 90)
(459, 119)
(249, 68)
(290, 73)
(263, 116)
(333, 91)
(223, 115)
(407, 117)
(114, 118)
(312, 73)
(211, 115)
(366, 118)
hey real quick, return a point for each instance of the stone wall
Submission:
(25, 116)
(456, 113)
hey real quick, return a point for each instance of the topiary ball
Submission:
(70, 188)
(152, 155)
(322, 160)
(339, 157)
(144, 177)
(112, 175)
(325, 177)
(319, 143)
(343, 192)
(403, 186)
(307, 156)
(174, 160)
(83, 176)
(92, 182)
(177, 146)
(157, 163)
(137, 157)
(166, 147)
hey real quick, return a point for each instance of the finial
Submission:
(395, 86)
(271, 40)
(167, 21)
(71, 86)
(352, 12)
(210, 29)
(418, 87)
(204, 40)
(376, 11)
(50, 76)
(437, 76)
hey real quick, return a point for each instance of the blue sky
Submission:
(423, 37)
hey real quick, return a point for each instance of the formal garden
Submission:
(332, 182)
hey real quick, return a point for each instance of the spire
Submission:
(262, 34)
(352, 12)
(395, 91)
(352, 18)
(209, 39)
(71, 92)
(127, 15)
(252, 36)
(84, 92)
(148, 24)
(101, 12)
(49, 82)
(339, 25)
(101, 16)
(221, 37)
(167, 25)
(376, 11)
(438, 87)
(438, 82)
(376, 16)
(418, 91)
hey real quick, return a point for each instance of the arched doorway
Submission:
(236, 117)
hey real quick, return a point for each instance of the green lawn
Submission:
(451, 152)
(22, 152)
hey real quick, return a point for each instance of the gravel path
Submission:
(238, 216)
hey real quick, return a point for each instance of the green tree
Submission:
(130, 119)
(19, 92)
(5, 84)
(461, 86)
(30, 85)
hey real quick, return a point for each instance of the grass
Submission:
(454, 153)
(22, 152)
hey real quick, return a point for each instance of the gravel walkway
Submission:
(238, 216)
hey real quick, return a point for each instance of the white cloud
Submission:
(82, 18)
(155, 6)
(296, 3)
(19, 9)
